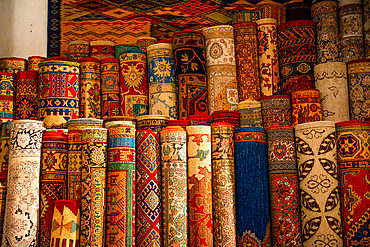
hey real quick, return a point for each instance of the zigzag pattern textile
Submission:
(58, 93)
(94, 168)
(297, 55)
(174, 186)
(26, 95)
(121, 183)
(22, 197)
(53, 180)
(65, 228)
(78, 49)
(110, 87)
(252, 202)
(148, 189)
(190, 73)
(7, 92)
(353, 157)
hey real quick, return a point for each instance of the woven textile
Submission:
(121, 49)
(276, 110)
(57, 58)
(94, 168)
(148, 189)
(223, 184)
(268, 57)
(306, 106)
(351, 30)
(66, 228)
(274, 11)
(58, 93)
(33, 63)
(319, 184)
(297, 54)
(252, 202)
(12, 65)
(331, 81)
(110, 87)
(4, 158)
(78, 49)
(121, 184)
(221, 69)
(7, 92)
(133, 84)
(200, 119)
(75, 127)
(174, 186)
(190, 73)
(200, 186)
(353, 159)
(162, 84)
(298, 11)
(27, 95)
(152, 122)
(22, 197)
(90, 87)
(250, 113)
(53, 180)
(366, 13)
(232, 117)
(285, 220)
(182, 123)
(143, 42)
(102, 49)
(251, 15)
(359, 88)
(324, 14)
(245, 35)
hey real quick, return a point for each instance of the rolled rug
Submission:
(232, 117)
(12, 64)
(110, 87)
(7, 93)
(274, 11)
(246, 16)
(152, 122)
(366, 12)
(101, 49)
(26, 95)
(121, 49)
(143, 42)
(182, 123)
(250, 113)
(22, 198)
(276, 110)
(200, 119)
(306, 106)
(78, 49)
(33, 63)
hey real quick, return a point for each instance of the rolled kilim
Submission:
(331, 81)
(78, 49)
(121, 49)
(75, 127)
(200, 119)
(148, 189)
(319, 184)
(252, 202)
(12, 65)
(27, 95)
(351, 30)
(190, 73)
(133, 85)
(110, 87)
(245, 34)
(223, 184)
(324, 14)
(59, 93)
(285, 217)
(276, 110)
(57, 58)
(298, 11)
(232, 117)
(90, 86)
(94, 168)
(152, 122)
(121, 184)
(297, 54)
(306, 106)
(143, 42)
(268, 57)
(7, 92)
(221, 69)
(33, 63)
(53, 180)
(353, 162)
(101, 49)
(246, 16)
(366, 13)
(66, 227)
(4, 158)
(273, 11)
(182, 123)
(250, 113)
(174, 186)
(359, 88)
(22, 197)
(162, 84)
(200, 186)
